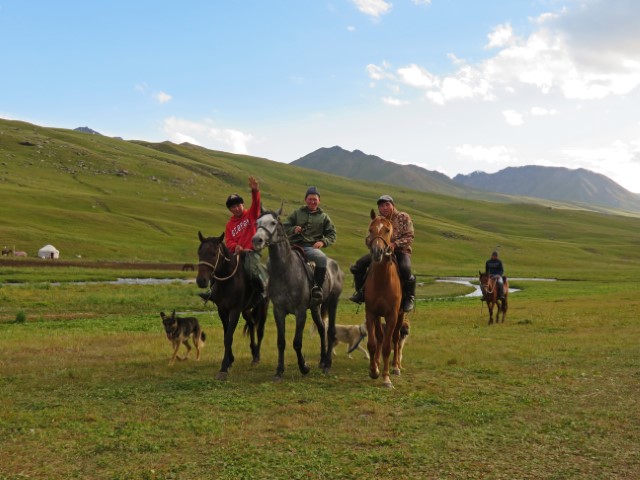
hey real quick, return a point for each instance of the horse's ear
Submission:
(200, 236)
(262, 210)
(221, 237)
(479, 272)
(173, 314)
(373, 214)
(281, 209)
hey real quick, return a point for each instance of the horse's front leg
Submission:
(490, 308)
(372, 346)
(322, 331)
(232, 322)
(279, 315)
(505, 306)
(301, 318)
(390, 326)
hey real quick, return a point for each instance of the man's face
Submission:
(385, 209)
(237, 209)
(494, 257)
(312, 202)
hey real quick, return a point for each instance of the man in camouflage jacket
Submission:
(401, 242)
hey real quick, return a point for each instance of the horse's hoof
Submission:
(388, 385)
(277, 378)
(374, 375)
(396, 371)
(321, 364)
(222, 376)
(256, 361)
(304, 369)
(326, 370)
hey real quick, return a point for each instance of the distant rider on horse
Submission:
(310, 228)
(401, 242)
(238, 235)
(495, 269)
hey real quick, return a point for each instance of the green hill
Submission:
(107, 199)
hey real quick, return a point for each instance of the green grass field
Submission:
(552, 393)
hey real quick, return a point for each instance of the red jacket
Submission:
(240, 231)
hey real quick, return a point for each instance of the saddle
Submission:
(310, 266)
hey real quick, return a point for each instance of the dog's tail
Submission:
(203, 336)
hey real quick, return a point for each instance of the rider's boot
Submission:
(316, 291)
(358, 279)
(500, 291)
(409, 294)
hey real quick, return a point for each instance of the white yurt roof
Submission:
(49, 248)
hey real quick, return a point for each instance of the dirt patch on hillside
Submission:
(39, 263)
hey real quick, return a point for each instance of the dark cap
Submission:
(494, 253)
(385, 198)
(234, 199)
(311, 191)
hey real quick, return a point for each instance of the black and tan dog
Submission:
(179, 330)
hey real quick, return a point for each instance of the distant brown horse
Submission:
(382, 298)
(489, 289)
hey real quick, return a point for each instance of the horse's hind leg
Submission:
(330, 320)
(301, 318)
(505, 307)
(322, 331)
(259, 321)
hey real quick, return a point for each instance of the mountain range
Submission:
(579, 187)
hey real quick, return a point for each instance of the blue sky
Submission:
(453, 86)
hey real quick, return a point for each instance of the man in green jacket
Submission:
(310, 228)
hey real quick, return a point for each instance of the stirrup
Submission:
(408, 304)
(357, 297)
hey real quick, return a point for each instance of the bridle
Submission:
(388, 251)
(220, 256)
(270, 234)
(487, 286)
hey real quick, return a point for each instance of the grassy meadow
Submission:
(87, 392)
(552, 393)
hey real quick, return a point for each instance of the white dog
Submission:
(352, 335)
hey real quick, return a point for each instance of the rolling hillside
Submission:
(554, 183)
(105, 199)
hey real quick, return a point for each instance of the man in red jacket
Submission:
(239, 233)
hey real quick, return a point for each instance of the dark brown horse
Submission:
(382, 298)
(232, 295)
(489, 288)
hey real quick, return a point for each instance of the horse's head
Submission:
(484, 280)
(379, 238)
(267, 231)
(210, 252)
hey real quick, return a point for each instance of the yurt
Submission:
(48, 251)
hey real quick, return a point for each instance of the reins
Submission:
(388, 251)
(213, 268)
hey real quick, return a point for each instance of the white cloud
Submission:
(415, 76)
(162, 97)
(422, 2)
(351, 28)
(513, 118)
(394, 102)
(551, 59)
(502, 35)
(373, 8)
(541, 112)
(497, 154)
(204, 133)
(379, 73)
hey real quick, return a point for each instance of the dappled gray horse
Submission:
(290, 285)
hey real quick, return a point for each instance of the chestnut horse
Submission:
(382, 298)
(489, 288)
